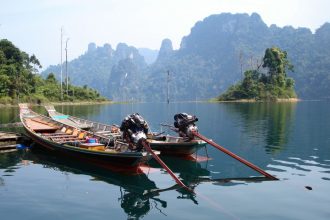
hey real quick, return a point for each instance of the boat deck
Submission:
(67, 119)
(38, 125)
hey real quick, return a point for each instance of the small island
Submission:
(20, 81)
(269, 83)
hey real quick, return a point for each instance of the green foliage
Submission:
(270, 86)
(276, 61)
(5, 100)
(19, 81)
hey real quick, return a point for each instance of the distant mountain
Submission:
(149, 55)
(221, 47)
(126, 74)
(94, 68)
(210, 59)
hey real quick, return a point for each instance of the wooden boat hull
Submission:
(171, 146)
(104, 159)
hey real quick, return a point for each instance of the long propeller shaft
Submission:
(177, 180)
(240, 159)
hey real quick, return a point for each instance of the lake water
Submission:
(288, 140)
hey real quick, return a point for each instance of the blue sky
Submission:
(34, 25)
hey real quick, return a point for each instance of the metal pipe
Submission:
(177, 180)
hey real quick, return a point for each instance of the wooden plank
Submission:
(64, 139)
(59, 136)
(103, 132)
(7, 151)
(10, 146)
(11, 125)
(53, 134)
(9, 136)
(42, 122)
(36, 125)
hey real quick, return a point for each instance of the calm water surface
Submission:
(288, 140)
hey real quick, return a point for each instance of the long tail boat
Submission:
(78, 144)
(166, 144)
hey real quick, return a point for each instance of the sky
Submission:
(35, 25)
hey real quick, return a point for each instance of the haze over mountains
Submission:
(210, 59)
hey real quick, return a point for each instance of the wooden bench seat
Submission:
(59, 136)
(67, 139)
(103, 132)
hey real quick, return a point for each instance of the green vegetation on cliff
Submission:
(269, 83)
(20, 81)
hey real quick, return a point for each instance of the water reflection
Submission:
(136, 191)
(85, 111)
(138, 194)
(9, 161)
(189, 171)
(9, 115)
(137, 205)
(268, 122)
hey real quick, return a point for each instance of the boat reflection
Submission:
(194, 173)
(136, 190)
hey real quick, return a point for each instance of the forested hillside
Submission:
(20, 81)
(212, 57)
(95, 67)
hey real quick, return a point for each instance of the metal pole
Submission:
(240, 159)
(61, 64)
(168, 79)
(66, 66)
(176, 179)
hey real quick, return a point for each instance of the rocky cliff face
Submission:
(211, 58)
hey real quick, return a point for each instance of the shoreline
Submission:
(282, 100)
(254, 101)
(61, 103)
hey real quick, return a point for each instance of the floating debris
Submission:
(309, 187)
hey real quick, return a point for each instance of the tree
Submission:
(277, 63)
(18, 80)
(270, 85)
(51, 78)
(12, 54)
(33, 59)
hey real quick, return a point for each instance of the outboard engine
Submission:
(185, 124)
(134, 129)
